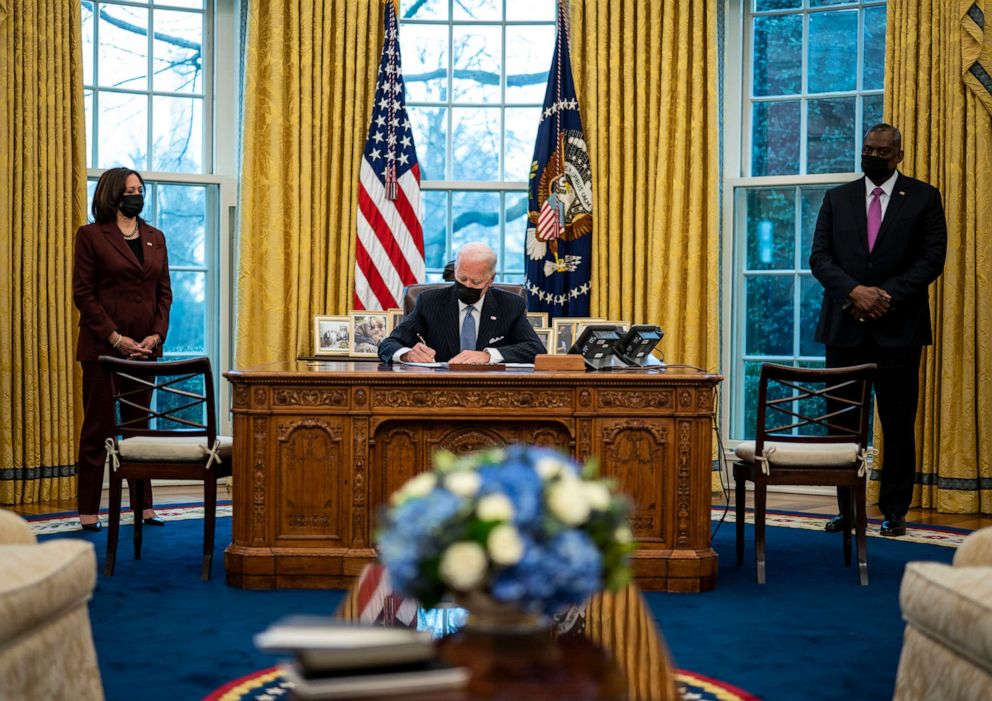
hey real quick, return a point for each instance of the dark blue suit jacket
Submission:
(503, 325)
(908, 255)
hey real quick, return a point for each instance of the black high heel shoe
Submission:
(154, 521)
(92, 527)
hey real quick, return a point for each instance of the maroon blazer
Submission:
(114, 292)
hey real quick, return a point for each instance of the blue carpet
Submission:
(811, 632)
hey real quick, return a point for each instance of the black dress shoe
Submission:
(838, 524)
(893, 527)
(154, 521)
(92, 527)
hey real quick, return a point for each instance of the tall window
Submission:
(475, 73)
(812, 84)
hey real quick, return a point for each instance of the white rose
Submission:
(464, 483)
(416, 487)
(494, 507)
(463, 565)
(504, 545)
(567, 501)
(549, 468)
(623, 535)
(597, 495)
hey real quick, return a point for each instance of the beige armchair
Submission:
(947, 646)
(46, 646)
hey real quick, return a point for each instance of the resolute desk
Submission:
(319, 446)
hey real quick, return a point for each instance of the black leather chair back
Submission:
(411, 292)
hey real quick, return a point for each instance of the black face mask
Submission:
(466, 294)
(876, 168)
(131, 205)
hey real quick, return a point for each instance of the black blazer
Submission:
(503, 325)
(908, 255)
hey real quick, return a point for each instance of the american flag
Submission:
(389, 251)
(377, 604)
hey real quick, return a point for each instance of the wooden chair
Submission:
(165, 428)
(812, 429)
(411, 292)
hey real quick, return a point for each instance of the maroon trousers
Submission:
(98, 425)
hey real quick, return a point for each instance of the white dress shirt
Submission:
(887, 187)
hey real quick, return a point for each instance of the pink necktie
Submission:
(874, 216)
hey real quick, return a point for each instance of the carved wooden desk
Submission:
(319, 446)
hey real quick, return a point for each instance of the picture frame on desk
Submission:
(621, 325)
(547, 336)
(368, 329)
(566, 330)
(331, 335)
(539, 320)
(395, 317)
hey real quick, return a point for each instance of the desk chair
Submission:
(165, 427)
(411, 292)
(812, 429)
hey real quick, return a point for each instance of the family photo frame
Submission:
(332, 335)
(368, 329)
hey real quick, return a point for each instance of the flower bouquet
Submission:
(522, 527)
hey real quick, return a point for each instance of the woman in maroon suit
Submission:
(120, 284)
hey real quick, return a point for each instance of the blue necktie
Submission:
(468, 329)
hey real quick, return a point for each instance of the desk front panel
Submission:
(319, 448)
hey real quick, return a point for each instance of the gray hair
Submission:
(478, 251)
(882, 126)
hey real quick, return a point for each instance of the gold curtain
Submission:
(943, 111)
(646, 78)
(43, 195)
(310, 76)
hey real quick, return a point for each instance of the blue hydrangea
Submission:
(522, 486)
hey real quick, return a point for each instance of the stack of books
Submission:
(332, 659)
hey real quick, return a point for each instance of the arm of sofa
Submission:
(14, 530)
(976, 549)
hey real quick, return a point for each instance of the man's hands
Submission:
(420, 353)
(470, 357)
(869, 303)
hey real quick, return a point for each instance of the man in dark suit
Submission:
(469, 321)
(879, 243)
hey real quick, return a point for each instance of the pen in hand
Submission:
(429, 349)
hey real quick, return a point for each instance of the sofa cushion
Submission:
(976, 549)
(801, 454)
(164, 448)
(39, 582)
(952, 605)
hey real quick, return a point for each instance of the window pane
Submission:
(88, 111)
(430, 130)
(123, 137)
(424, 49)
(479, 10)
(811, 295)
(475, 217)
(477, 62)
(830, 135)
(811, 199)
(475, 143)
(833, 51)
(87, 46)
(528, 62)
(435, 223)
(769, 322)
(778, 55)
(167, 400)
(182, 216)
(524, 10)
(765, 5)
(521, 133)
(178, 134)
(516, 227)
(192, 4)
(874, 49)
(829, 3)
(872, 105)
(424, 9)
(178, 51)
(775, 138)
(187, 319)
(123, 48)
(752, 379)
(771, 226)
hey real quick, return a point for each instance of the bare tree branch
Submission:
(134, 28)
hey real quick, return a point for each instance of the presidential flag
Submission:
(559, 244)
(389, 251)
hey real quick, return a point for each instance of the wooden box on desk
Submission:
(559, 362)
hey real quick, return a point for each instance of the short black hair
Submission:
(883, 126)
(109, 190)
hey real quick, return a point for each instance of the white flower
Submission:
(549, 468)
(623, 535)
(597, 495)
(567, 501)
(415, 487)
(494, 507)
(464, 483)
(463, 565)
(504, 545)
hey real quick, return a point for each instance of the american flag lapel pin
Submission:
(492, 318)
(902, 192)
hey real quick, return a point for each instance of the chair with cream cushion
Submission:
(811, 429)
(46, 645)
(166, 429)
(947, 645)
